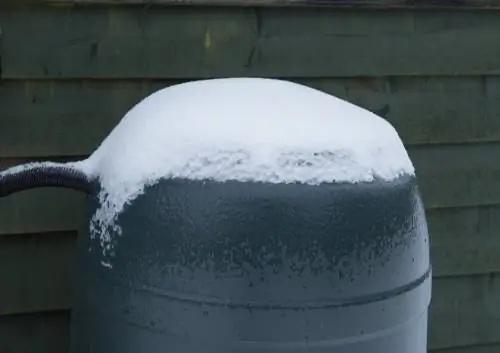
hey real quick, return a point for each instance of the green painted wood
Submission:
(481, 348)
(464, 240)
(375, 4)
(188, 42)
(54, 118)
(452, 176)
(35, 333)
(42, 210)
(35, 272)
(465, 311)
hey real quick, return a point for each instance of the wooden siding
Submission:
(68, 73)
(123, 43)
(358, 4)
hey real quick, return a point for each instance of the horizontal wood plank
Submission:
(371, 4)
(54, 118)
(187, 42)
(465, 311)
(475, 348)
(453, 176)
(35, 272)
(464, 241)
(42, 210)
(35, 333)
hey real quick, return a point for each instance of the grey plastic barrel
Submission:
(233, 267)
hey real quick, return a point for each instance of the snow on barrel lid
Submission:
(244, 129)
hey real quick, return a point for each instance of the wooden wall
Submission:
(68, 73)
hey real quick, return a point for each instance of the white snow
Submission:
(33, 165)
(246, 129)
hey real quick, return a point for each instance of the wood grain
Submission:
(476, 348)
(35, 333)
(371, 4)
(35, 272)
(465, 311)
(188, 42)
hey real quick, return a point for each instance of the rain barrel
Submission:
(246, 215)
(248, 267)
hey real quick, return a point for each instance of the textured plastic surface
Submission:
(206, 267)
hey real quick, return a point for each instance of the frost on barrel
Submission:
(251, 215)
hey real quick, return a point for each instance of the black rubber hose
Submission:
(30, 176)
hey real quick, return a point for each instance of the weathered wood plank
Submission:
(35, 272)
(42, 210)
(464, 240)
(186, 42)
(61, 119)
(465, 311)
(452, 176)
(480, 348)
(54, 118)
(371, 4)
(35, 333)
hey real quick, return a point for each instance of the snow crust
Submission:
(244, 129)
